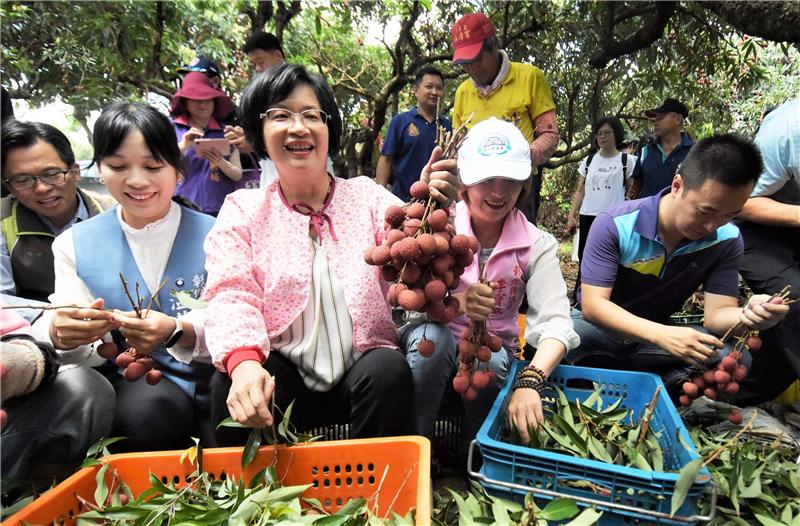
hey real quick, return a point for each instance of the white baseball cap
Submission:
(494, 148)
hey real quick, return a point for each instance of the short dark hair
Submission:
(427, 70)
(121, 118)
(729, 158)
(616, 127)
(262, 40)
(19, 134)
(275, 85)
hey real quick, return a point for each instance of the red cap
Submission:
(468, 35)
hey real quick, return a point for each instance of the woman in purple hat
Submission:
(197, 111)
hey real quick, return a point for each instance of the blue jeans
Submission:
(432, 378)
(606, 349)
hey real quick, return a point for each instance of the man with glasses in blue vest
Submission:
(40, 173)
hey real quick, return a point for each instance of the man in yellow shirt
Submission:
(497, 87)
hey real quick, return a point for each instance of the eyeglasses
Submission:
(23, 182)
(310, 118)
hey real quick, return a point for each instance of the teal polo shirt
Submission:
(624, 253)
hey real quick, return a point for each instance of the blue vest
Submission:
(102, 252)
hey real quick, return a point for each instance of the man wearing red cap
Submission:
(497, 87)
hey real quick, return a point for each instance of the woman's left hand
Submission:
(525, 412)
(212, 156)
(145, 334)
(442, 178)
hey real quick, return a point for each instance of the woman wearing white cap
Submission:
(514, 258)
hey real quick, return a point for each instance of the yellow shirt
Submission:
(523, 96)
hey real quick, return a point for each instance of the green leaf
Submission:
(101, 445)
(559, 510)
(251, 447)
(187, 300)
(686, 478)
(101, 492)
(753, 490)
(230, 422)
(353, 507)
(587, 517)
(768, 521)
(500, 514)
(598, 451)
(332, 520)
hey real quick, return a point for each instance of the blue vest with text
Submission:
(102, 252)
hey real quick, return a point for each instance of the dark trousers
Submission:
(52, 428)
(157, 417)
(584, 224)
(374, 397)
(530, 208)
(772, 261)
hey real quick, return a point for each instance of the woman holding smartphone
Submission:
(197, 111)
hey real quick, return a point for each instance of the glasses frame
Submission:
(61, 176)
(294, 115)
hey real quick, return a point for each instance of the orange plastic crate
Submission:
(338, 470)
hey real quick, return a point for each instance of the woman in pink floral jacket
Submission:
(294, 311)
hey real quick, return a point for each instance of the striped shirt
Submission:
(320, 341)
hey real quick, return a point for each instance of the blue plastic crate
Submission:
(512, 471)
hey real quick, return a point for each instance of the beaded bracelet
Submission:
(531, 377)
(527, 383)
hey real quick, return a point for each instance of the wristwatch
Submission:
(176, 334)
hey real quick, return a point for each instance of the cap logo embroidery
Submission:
(493, 145)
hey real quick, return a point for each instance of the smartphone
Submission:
(223, 146)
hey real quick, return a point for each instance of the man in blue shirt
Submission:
(412, 135)
(770, 225)
(643, 259)
(658, 162)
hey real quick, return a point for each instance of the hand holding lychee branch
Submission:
(143, 331)
(749, 322)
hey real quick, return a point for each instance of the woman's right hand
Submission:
(188, 138)
(525, 412)
(251, 391)
(70, 328)
(479, 301)
(572, 224)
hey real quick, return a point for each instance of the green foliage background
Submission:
(90, 53)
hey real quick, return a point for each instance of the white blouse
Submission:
(71, 289)
(320, 341)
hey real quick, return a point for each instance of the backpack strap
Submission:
(624, 168)
(588, 162)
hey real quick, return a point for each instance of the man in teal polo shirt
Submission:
(412, 135)
(643, 259)
(658, 162)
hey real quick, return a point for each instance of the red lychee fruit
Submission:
(124, 360)
(427, 244)
(753, 343)
(722, 377)
(381, 255)
(419, 190)
(740, 373)
(133, 372)
(480, 379)
(461, 383)
(426, 348)
(435, 290)
(690, 389)
(152, 377)
(108, 350)
(729, 364)
(415, 210)
(685, 400)
(438, 220)
(394, 215)
(735, 418)
(411, 299)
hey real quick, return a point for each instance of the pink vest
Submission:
(259, 263)
(506, 265)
